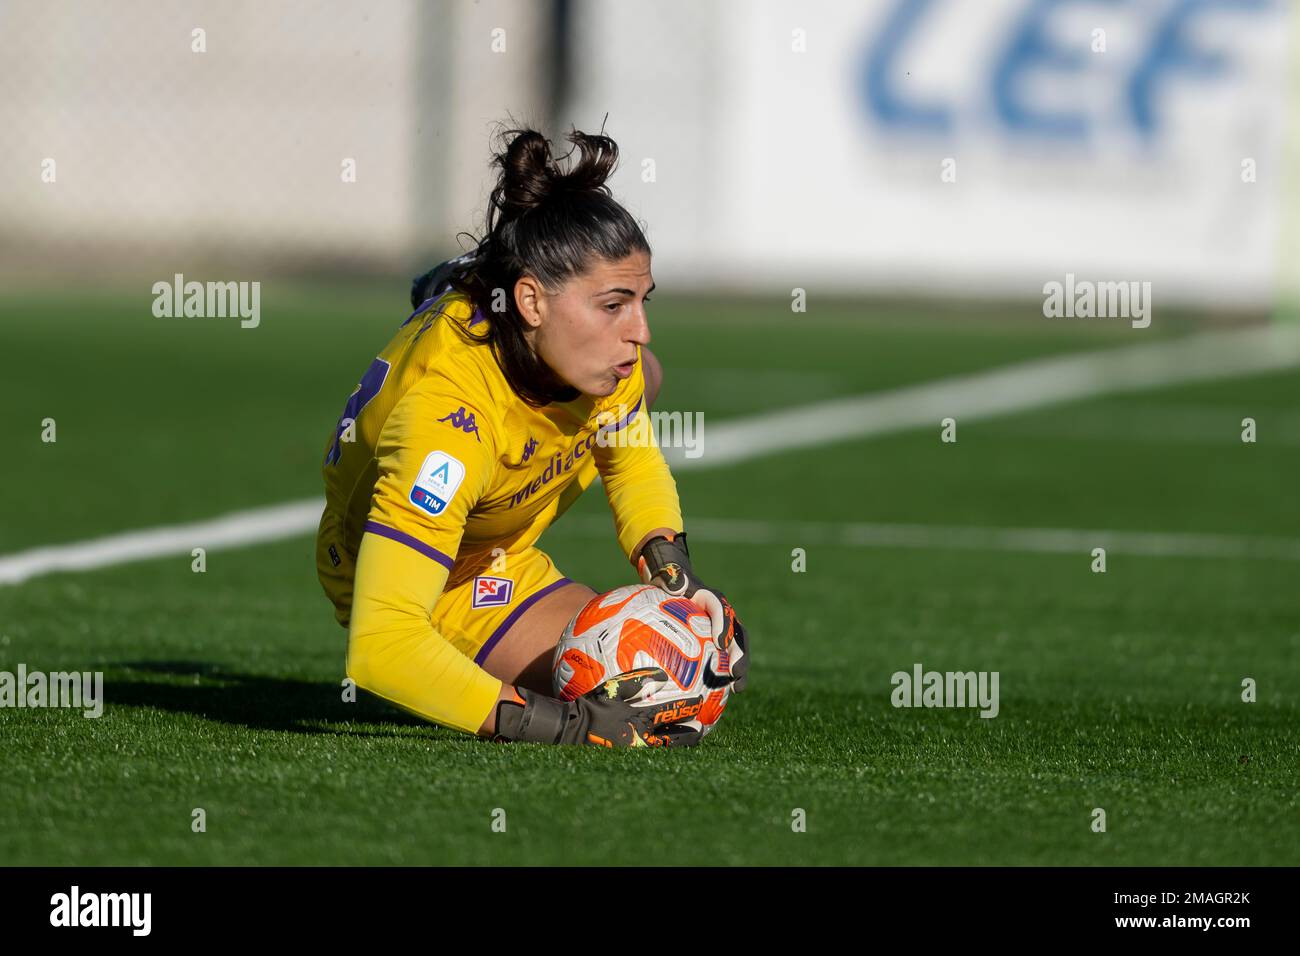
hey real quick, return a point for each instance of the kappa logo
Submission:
(439, 477)
(465, 422)
(492, 592)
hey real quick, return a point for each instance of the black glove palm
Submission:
(603, 717)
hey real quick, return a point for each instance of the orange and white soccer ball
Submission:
(643, 626)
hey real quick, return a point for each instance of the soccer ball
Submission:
(643, 626)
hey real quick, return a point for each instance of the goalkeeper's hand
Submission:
(666, 563)
(603, 717)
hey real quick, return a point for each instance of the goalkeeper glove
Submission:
(665, 562)
(437, 280)
(603, 717)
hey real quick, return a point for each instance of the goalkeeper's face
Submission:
(588, 331)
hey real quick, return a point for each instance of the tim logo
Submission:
(529, 449)
(492, 592)
(465, 423)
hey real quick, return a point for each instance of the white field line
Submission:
(1015, 388)
(233, 530)
(795, 534)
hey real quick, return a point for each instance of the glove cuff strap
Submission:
(539, 719)
(668, 558)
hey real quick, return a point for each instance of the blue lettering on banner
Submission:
(884, 100)
(1170, 52)
(1031, 49)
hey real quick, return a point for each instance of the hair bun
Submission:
(525, 172)
(530, 175)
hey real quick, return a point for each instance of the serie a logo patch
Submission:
(439, 477)
(492, 592)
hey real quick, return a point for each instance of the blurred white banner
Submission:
(949, 145)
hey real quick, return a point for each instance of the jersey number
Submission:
(370, 385)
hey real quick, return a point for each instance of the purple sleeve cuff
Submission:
(401, 537)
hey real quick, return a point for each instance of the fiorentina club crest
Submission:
(492, 592)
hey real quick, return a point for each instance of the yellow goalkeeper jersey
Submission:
(435, 467)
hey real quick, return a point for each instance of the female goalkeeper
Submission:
(496, 404)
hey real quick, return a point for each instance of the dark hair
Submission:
(549, 223)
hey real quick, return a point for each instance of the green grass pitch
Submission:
(1118, 690)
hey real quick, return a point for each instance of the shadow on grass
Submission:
(214, 692)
